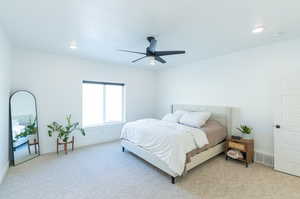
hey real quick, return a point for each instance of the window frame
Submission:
(104, 103)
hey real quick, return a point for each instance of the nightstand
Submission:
(246, 147)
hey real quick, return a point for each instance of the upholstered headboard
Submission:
(221, 114)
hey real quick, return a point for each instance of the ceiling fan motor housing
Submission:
(151, 51)
(150, 38)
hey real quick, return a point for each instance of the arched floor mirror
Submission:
(24, 134)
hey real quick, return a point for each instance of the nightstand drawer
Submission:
(237, 146)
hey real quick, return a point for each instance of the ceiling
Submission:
(205, 28)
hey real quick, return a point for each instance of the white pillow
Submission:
(179, 114)
(170, 118)
(175, 117)
(195, 119)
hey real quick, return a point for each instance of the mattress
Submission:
(168, 141)
(215, 132)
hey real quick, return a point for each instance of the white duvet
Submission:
(169, 141)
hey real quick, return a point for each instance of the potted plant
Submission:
(245, 130)
(64, 132)
(29, 130)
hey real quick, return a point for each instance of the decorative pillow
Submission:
(195, 119)
(175, 117)
(170, 118)
(179, 114)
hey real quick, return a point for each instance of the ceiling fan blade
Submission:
(131, 52)
(164, 53)
(152, 46)
(161, 60)
(138, 59)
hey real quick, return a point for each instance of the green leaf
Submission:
(245, 129)
(64, 132)
(30, 129)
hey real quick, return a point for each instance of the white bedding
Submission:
(169, 141)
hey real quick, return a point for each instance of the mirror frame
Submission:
(11, 152)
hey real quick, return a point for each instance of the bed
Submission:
(188, 156)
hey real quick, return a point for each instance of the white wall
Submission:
(245, 80)
(56, 82)
(5, 56)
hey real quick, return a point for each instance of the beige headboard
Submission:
(221, 114)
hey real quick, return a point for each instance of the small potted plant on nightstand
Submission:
(64, 133)
(246, 131)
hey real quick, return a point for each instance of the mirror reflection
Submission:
(24, 128)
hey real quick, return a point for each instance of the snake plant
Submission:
(245, 129)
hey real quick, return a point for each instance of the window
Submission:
(102, 102)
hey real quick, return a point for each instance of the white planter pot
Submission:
(247, 136)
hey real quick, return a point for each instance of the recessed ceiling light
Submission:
(73, 45)
(258, 29)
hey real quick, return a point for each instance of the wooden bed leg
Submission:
(173, 179)
(123, 149)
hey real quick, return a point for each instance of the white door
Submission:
(287, 127)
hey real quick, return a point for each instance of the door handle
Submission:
(277, 126)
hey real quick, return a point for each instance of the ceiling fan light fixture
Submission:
(152, 61)
(258, 29)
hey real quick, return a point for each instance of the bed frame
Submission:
(220, 113)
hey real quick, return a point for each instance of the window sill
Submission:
(103, 124)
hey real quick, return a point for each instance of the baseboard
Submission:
(83, 146)
(3, 172)
(264, 158)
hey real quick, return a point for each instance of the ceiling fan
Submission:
(151, 52)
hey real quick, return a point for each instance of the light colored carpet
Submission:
(103, 171)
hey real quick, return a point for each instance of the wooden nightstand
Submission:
(244, 146)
